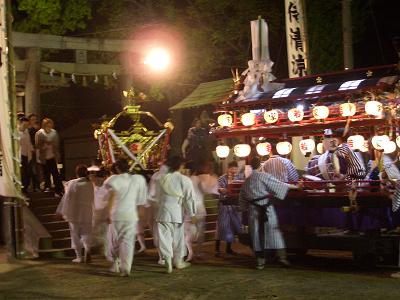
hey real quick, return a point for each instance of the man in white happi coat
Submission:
(127, 192)
(175, 194)
(153, 209)
(76, 207)
(101, 208)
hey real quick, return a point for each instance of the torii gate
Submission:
(32, 65)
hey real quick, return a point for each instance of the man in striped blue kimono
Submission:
(350, 164)
(228, 223)
(281, 168)
(254, 197)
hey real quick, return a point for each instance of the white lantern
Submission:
(283, 148)
(347, 109)
(374, 108)
(389, 147)
(295, 114)
(264, 149)
(320, 148)
(222, 151)
(306, 146)
(356, 142)
(271, 116)
(320, 112)
(398, 141)
(248, 119)
(379, 141)
(225, 120)
(365, 147)
(242, 150)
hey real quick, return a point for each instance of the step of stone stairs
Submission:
(43, 210)
(40, 202)
(56, 225)
(59, 233)
(57, 253)
(49, 218)
(64, 242)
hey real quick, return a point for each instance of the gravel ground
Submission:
(321, 276)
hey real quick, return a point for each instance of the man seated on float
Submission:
(281, 168)
(345, 160)
(321, 166)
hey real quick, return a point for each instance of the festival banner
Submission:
(297, 59)
(296, 38)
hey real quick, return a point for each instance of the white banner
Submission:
(7, 172)
(296, 38)
(297, 60)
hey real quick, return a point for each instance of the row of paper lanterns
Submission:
(321, 112)
(307, 146)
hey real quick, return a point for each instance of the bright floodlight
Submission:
(158, 59)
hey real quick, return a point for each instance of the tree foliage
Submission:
(51, 16)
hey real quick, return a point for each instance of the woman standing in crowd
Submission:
(47, 144)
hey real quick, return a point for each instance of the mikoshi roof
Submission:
(206, 93)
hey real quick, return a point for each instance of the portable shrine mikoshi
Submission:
(135, 135)
(364, 101)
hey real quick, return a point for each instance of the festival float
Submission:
(135, 135)
(298, 115)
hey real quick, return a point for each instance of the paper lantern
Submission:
(222, 151)
(248, 119)
(320, 148)
(365, 147)
(355, 142)
(306, 146)
(389, 147)
(225, 120)
(374, 108)
(264, 149)
(283, 148)
(398, 141)
(242, 150)
(379, 141)
(320, 112)
(347, 109)
(295, 114)
(271, 116)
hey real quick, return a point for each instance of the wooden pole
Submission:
(347, 35)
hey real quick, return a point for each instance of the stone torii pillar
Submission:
(32, 81)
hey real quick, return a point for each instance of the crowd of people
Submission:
(110, 209)
(40, 154)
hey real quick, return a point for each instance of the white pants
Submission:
(171, 240)
(81, 236)
(100, 231)
(121, 240)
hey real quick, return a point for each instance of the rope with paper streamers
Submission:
(81, 77)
